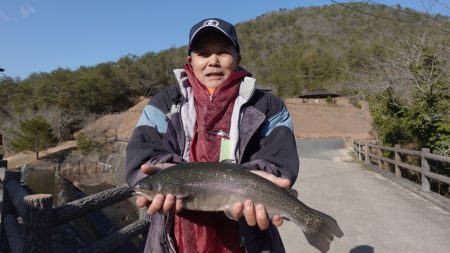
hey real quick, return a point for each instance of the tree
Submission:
(417, 100)
(34, 134)
(429, 110)
(388, 115)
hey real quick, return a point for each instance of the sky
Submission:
(43, 35)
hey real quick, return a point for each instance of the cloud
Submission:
(4, 17)
(27, 10)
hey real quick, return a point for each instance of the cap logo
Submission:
(211, 22)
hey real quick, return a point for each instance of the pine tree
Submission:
(34, 134)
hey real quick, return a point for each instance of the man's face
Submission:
(213, 59)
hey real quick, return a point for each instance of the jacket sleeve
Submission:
(274, 146)
(148, 142)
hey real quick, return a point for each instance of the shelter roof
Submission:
(319, 93)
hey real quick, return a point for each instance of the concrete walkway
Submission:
(375, 214)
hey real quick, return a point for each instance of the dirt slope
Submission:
(26, 157)
(311, 119)
(121, 123)
(322, 120)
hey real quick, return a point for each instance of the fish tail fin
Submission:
(320, 234)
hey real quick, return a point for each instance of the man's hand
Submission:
(256, 214)
(160, 203)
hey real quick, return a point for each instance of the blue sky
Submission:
(42, 35)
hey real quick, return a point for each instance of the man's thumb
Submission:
(149, 168)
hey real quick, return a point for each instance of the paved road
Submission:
(375, 214)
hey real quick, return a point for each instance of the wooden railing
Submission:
(27, 219)
(373, 153)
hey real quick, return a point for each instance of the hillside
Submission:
(289, 51)
(311, 120)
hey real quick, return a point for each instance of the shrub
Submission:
(330, 100)
(86, 144)
(355, 102)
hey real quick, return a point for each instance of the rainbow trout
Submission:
(218, 186)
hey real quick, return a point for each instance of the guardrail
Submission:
(373, 153)
(27, 219)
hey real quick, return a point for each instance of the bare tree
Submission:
(59, 118)
(415, 72)
(115, 121)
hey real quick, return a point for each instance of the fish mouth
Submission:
(138, 192)
(146, 194)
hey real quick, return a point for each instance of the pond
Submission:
(47, 182)
(95, 225)
(41, 181)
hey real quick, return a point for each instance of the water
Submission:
(41, 181)
(45, 181)
(95, 225)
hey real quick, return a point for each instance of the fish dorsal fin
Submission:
(228, 161)
(292, 192)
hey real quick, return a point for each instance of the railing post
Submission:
(143, 236)
(7, 207)
(14, 233)
(367, 151)
(4, 163)
(38, 223)
(425, 168)
(359, 151)
(3, 239)
(379, 156)
(397, 158)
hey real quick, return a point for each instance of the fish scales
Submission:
(217, 186)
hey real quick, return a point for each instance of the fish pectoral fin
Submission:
(285, 218)
(292, 192)
(229, 214)
(184, 197)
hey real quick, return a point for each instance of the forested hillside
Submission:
(325, 47)
(360, 49)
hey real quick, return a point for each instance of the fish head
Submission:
(147, 189)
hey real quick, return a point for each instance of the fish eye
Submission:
(144, 186)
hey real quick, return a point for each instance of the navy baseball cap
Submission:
(213, 24)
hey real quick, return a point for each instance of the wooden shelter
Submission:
(318, 94)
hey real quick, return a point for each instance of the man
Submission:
(214, 113)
